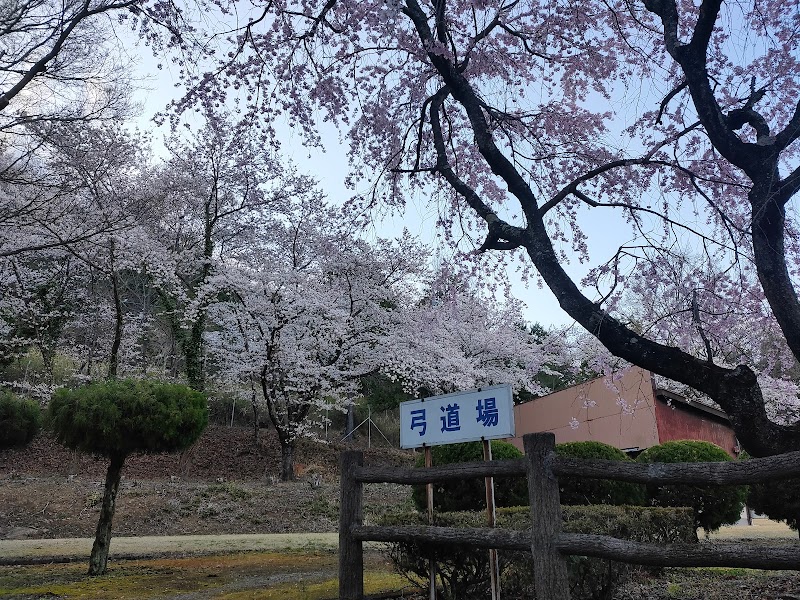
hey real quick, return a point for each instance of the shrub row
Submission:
(712, 506)
(470, 494)
(464, 571)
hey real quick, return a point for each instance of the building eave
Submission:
(673, 397)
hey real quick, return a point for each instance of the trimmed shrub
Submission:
(470, 494)
(117, 418)
(583, 491)
(464, 571)
(713, 506)
(779, 499)
(20, 420)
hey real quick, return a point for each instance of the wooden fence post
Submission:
(351, 551)
(549, 566)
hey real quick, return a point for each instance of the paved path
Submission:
(64, 550)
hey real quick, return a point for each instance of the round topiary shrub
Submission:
(117, 418)
(470, 494)
(713, 506)
(585, 491)
(20, 420)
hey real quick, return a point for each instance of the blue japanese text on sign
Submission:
(485, 413)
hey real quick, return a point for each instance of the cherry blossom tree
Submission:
(59, 61)
(527, 122)
(91, 200)
(214, 192)
(459, 339)
(60, 64)
(311, 311)
(40, 296)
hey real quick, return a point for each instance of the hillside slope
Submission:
(223, 484)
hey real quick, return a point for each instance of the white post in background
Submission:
(429, 495)
(491, 514)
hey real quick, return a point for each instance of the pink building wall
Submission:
(620, 413)
(623, 413)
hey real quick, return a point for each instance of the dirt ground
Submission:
(223, 485)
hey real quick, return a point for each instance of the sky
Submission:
(330, 167)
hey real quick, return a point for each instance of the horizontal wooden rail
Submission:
(479, 537)
(601, 546)
(754, 470)
(731, 554)
(454, 472)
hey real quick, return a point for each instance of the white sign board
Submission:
(485, 413)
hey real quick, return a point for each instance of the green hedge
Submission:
(713, 506)
(20, 420)
(464, 571)
(584, 490)
(470, 493)
(778, 499)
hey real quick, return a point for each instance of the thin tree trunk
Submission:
(113, 359)
(98, 561)
(351, 422)
(193, 353)
(287, 460)
(48, 361)
(256, 424)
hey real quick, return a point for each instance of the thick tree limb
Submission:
(736, 390)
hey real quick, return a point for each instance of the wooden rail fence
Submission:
(545, 539)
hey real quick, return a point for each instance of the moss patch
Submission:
(272, 575)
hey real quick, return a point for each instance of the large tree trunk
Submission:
(287, 460)
(98, 561)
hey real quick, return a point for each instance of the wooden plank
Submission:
(479, 537)
(754, 470)
(718, 554)
(454, 472)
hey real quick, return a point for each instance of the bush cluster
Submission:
(118, 418)
(778, 499)
(470, 494)
(20, 420)
(713, 506)
(584, 491)
(464, 571)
